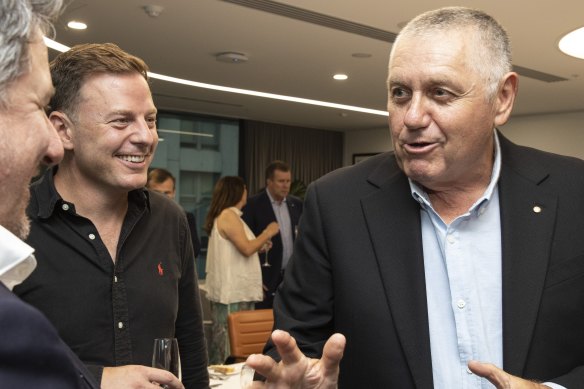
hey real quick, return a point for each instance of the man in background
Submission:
(31, 353)
(450, 262)
(116, 263)
(274, 204)
(162, 181)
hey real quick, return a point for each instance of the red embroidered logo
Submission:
(160, 269)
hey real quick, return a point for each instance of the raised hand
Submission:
(295, 370)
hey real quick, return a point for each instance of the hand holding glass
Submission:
(166, 356)
(266, 249)
(246, 376)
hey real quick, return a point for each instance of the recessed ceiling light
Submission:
(340, 76)
(232, 57)
(76, 25)
(573, 43)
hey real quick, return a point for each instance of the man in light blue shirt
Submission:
(453, 262)
(274, 204)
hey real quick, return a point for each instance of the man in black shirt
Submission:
(116, 264)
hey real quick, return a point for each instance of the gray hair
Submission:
(20, 21)
(492, 51)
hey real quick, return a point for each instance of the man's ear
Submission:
(64, 127)
(505, 98)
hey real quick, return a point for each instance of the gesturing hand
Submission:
(500, 378)
(295, 370)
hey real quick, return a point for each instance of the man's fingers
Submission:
(164, 377)
(263, 365)
(492, 373)
(333, 353)
(286, 346)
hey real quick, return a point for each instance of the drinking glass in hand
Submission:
(266, 249)
(166, 356)
(246, 376)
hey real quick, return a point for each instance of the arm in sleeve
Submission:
(31, 352)
(189, 323)
(304, 302)
(572, 380)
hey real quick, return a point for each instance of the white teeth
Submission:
(132, 158)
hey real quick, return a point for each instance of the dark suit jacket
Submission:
(31, 353)
(358, 269)
(257, 214)
(194, 233)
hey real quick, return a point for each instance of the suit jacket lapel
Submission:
(528, 214)
(393, 220)
(267, 209)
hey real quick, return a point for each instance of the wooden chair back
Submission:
(249, 331)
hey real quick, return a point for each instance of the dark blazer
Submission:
(257, 214)
(194, 233)
(358, 269)
(31, 353)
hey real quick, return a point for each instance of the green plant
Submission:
(298, 189)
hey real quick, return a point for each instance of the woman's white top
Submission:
(231, 276)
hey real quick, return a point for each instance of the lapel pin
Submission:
(537, 209)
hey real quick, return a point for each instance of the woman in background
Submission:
(234, 277)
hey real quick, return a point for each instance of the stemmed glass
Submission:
(246, 376)
(166, 356)
(266, 249)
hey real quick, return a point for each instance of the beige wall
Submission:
(557, 133)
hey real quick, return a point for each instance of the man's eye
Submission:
(399, 93)
(441, 93)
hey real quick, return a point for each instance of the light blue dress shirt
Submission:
(462, 263)
(285, 223)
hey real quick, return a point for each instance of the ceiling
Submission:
(295, 46)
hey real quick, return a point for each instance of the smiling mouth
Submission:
(132, 158)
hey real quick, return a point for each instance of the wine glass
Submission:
(266, 249)
(166, 356)
(246, 376)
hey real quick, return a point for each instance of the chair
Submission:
(249, 332)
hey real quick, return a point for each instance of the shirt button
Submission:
(450, 239)
(120, 325)
(65, 207)
(460, 303)
(115, 278)
(92, 236)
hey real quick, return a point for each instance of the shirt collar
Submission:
(48, 198)
(272, 199)
(420, 195)
(16, 259)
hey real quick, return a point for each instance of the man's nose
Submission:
(416, 115)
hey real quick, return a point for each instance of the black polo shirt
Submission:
(110, 314)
